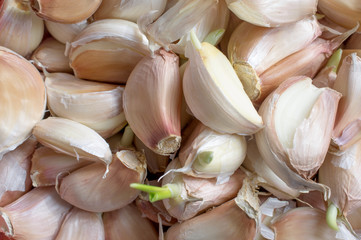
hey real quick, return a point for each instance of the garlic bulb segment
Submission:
(253, 49)
(15, 172)
(233, 23)
(27, 217)
(21, 30)
(208, 154)
(312, 198)
(22, 96)
(107, 50)
(129, 10)
(73, 138)
(348, 123)
(128, 223)
(299, 223)
(355, 221)
(65, 11)
(224, 222)
(344, 13)
(86, 189)
(346, 52)
(272, 13)
(94, 104)
(298, 120)
(49, 56)
(175, 22)
(152, 99)
(63, 32)
(48, 165)
(82, 225)
(214, 93)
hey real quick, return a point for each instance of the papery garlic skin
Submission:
(63, 32)
(272, 13)
(107, 50)
(155, 83)
(22, 96)
(21, 30)
(214, 93)
(81, 225)
(129, 10)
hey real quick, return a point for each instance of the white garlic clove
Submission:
(63, 32)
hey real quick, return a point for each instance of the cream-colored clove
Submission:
(63, 32)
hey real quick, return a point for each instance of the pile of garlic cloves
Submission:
(180, 120)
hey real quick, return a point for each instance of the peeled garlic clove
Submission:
(27, 217)
(155, 82)
(348, 83)
(15, 172)
(252, 49)
(128, 223)
(50, 56)
(224, 222)
(298, 120)
(208, 154)
(107, 50)
(129, 10)
(96, 105)
(86, 188)
(65, 11)
(47, 165)
(80, 224)
(73, 138)
(272, 13)
(65, 32)
(22, 96)
(214, 93)
(21, 30)
(299, 223)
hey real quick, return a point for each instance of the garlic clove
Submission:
(96, 105)
(156, 79)
(214, 94)
(80, 224)
(26, 217)
(22, 96)
(107, 50)
(47, 165)
(346, 52)
(15, 172)
(128, 223)
(72, 138)
(312, 199)
(86, 188)
(63, 32)
(65, 11)
(233, 23)
(252, 49)
(50, 56)
(21, 30)
(272, 13)
(347, 125)
(129, 10)
(354, 42)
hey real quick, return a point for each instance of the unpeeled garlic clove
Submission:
(22, 96)
(272, 13)
(26, 217)
(80, 224)
(346, 130)
(129, 10)
(65, 11)
(63, 32)
(252, 49)
(233, 23)
(47, 165)
(15, 172)
(86, 188)
(128, 223)
(73, 138)
(96, 105)
(107, 50)
(50, 56)
(298, 120)
(214, 93)
(155, 82)
(21, 30)
(313, 199)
